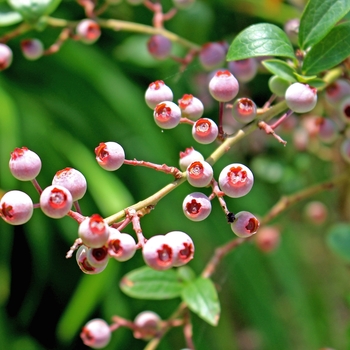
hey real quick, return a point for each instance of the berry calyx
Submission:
(199, 173)
(110, 155)
(25, 165)
(56, 201)
(205, 131)
(244, 110)
(301, 98)
(157, 92)
(94, 231)
(196, 206)
(97, 257)
(245, 224)
(223, 86)
(189, 156)
(167, 115)
(182, 246)
(157, 253)
(96, 334)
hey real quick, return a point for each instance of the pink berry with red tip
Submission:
(84, 264)
(148, 325)
(182, 246)
(336, 91)
(167, 115)
(88, 31)
(205, 131)
(301, 98)
(236, 180)
(56, 201)
(157, 253)
(223, 86)
(6, 56)
(189, 156)
(16, 207)
(196, 206)
(244, 110)
(110, 155)
(199, 173)
(94, 231)
(32, 49)
(191, 107)
(157, 92)
(159, 46)
(121, 246)
(244, 70)
(25, 165)
(245, 224)
(96, 334)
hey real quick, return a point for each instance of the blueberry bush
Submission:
(174, 174)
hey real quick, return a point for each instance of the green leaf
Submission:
(8, 17)
(318, 18)
(339, 240)
(330, 51)
(280, 68)
(201, 297)
(261, 39)
(149, 284)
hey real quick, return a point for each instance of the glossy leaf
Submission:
(330, 51)
(339, 240)
(280, 68)
(8, 16)
(149, 284)
(201, 298)
(318, 19)
(261, 39)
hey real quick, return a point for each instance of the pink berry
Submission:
(56, 201)
(191, 107)
(159, 46)
(268, 238)
(167, 115)
(5, 56)
(236, 180)
(88, 31)
(189, 156)
(157, 253)
(244, 70)
(16, 207)
(327, 130)
(182, 246)
(73, 180)
(337, 91)
(97, 257)
(96, 334)
(345, 150)
(25, 165)
(316, 212)
(199, 173)
(94, 231)
(148, 325)
(223, 86)
(244, 110)
(245, 224)
(157, 92)
(32, 49)
(292, 29)
(205, 131)
(110, 155)
(196, 206)
(344, 109)
(301, 98)
(121, 246)
(212, 55)
(84, 264)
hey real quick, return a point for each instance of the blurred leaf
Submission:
(330, 51)
(201, 297)
(311, 80)
(8, 16)
(185, 274)
(149, 284)
(318, 19)
(339, 240)
(280, 68)
(261, 39)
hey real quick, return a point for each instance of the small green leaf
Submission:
(318, 18)
(261, 39)
(280, 68)
(305, 78)
(339, 240)
(330, 51)
(185, 274)
(149, 284)
(201, 297)
(8, 17)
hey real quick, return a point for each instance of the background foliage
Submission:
(63, 105)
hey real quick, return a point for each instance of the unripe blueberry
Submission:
(212, 55)
(157, 253)
(189, 156)
(148, 324)
(223, 86)
(268, 238)
(25, 165)
(236, 180)
(159, 46)
(205, 131)
(182, 245)
(327, 130)
(94, 231)
(96, 334)
(244, 110)
(32, 49)
(84, 264)
(191, 107)
(88, 31)
(5, 56)
(110, 155)
(97, 257)
(301, 98)
(199, 173)
(167, 115)
(16, 207)
(245, 224)
(157, 92)
(345, 150)
(278, 86)
(73, 180)
(244, 70)
(337, 91)
(196, 206)
(56, 201)
(121, 246)
(344, 109)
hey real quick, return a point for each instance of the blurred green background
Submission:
(62, 106)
